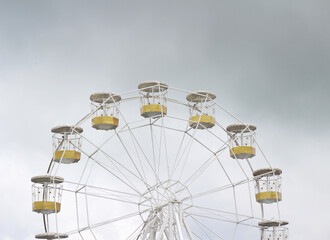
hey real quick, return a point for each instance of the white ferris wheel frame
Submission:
(174, 227)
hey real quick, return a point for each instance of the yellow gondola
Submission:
(153, 101)
(268, 185)
(66, 142)
(105, 106)
(46, 194)
(201, 109)
(242, 140)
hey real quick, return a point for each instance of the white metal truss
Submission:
(165, 191)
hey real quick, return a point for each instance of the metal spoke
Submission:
(113, 220)
(147, 168)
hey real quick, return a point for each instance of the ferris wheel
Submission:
(158, 163)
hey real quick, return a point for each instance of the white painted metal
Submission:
(160, 187)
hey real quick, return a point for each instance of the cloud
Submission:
(266, 61)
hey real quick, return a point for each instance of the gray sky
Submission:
(267, 61)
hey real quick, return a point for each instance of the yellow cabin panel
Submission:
(242, 152)
(69, 156)
(105, 122)
(205, 121)
(152, 110)
(268, 197)
(46, 207)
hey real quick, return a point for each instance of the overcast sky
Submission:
(267, 61)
